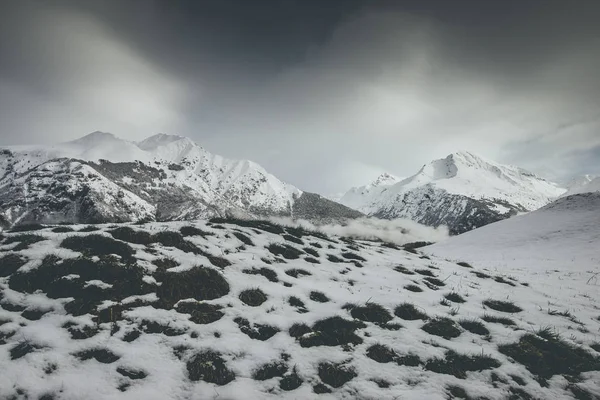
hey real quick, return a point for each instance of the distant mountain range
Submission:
(102, 178)
(463, 191)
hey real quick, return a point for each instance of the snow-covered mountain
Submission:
(583, 184)
(100, 178)
(463, 191)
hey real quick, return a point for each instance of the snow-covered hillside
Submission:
(463, 191)
(360, 197)
(164, 177)
(232, 309)
(583, 184)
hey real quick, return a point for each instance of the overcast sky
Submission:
(325, 94)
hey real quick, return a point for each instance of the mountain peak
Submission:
(94, 138)
(160, 139)
(385, 179)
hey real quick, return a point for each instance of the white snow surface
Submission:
(538, 283)
(585, 184)
(462, 173)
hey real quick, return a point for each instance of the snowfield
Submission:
(231, 309)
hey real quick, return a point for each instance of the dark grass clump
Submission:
(503, 306)
(98, 245)
(319, 297)
(454, 297)
(296, 272)
(413, 288)
(10, 263)
(270, 370)
(464, 264)
(165, 263)
(410, 360)
(334, 259)
(381, 354)
(409, 312)
(382, 383)
(459, 364)
(403, 270)
(595, 346)
(193, 231)
(201, 313)
(264, 271)
(457, 392)
(62, 229)
(317, 245)
(253, 297)
(132, 335)
(5, 335)
(501, 279)
(132, 373)
(549, 356)
(333, 331)
(320, 388)
(474, 326)
(291, 381)
(256, 331)
(425, 272)
(248, 223)
(299, 304)
(200, 283)
(89, 228)
(416, 245)
(81, 332)
(286, 251)
(336, 375)
(433, 281)
(101, 355)
(498, 320)
(22, 349)
(176, 239)
(293, 239)
(311, 251)
(130, 235)
(34, 314)
(23, 240)
(312, 260)
(297, 330)
(243, 238)
(443, 327)
(352, 256)
(149, 326)
(28, 228)
(481, 275)
(371, 312)
(208, 366)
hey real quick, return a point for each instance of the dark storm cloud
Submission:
(324, 94)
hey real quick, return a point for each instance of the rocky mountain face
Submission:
(101, 178)
(463, 191)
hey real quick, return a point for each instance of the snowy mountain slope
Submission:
(584, 184)
(248, 310)
(359, 197)
(562, 236)
(452, 190)
(170, 174)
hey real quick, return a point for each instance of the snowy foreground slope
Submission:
(463, 191)
(250, 310)
(101, 178)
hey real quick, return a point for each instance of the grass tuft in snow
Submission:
(243, 238)
(409, 312)
(193, 231)
(247, 223)
(264, 271)
(208, 366)
(101, 355)
(503, 306)
(24, 241)
(320, 388)
(381, 354)
(336, 375)
(89, 228)
(132, 373)
(403, 270)
(311, 251)
(319, 297)
(297, 330)
(548, 355)
(352, 256)
(498, 320)
(130, 235)
(62, 229)
(255, 331)
(455, 297)
(334, 259)
(333, 331)
(253, 297)
(293, 239)
(299, 304)
(10, 263)
(371, 312)
(459, 364)
(312, 260)
(433, 281)
(270, 370)
(98, 245)
(425, 272)
(413, 288)
(286, 251)
(23, 348)
(200, 283)
(27, 228)
(443, 327)
(291, 381)
(296, 272)
(464, 264)
(474, 326)
(201, 313)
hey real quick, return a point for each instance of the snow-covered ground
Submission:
(241, 310)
